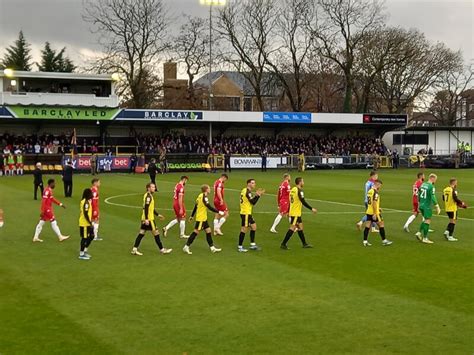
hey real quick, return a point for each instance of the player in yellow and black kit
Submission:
(200, 211)
(374, 215)
(297, 202)
(247, 201)
(451, 203)
(85, 224)
(148, 221)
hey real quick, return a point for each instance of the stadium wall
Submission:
(443, 141)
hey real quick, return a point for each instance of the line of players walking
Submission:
(423, 201)
(290, 201)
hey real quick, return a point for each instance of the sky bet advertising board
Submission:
(105, 163)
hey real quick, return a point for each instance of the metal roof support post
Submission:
(210, 134)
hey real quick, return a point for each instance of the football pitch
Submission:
(339, 297)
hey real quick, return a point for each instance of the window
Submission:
(399, 139)
(248, 104)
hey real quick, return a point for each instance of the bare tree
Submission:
(379, 49)
(419, 66)
(132, 34)
(191, 48)
(447, 103)
(248, 26)
(290, 62)
(341, 26)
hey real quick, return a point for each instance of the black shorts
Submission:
(452, 215)
(294, 220)
(247, 220)
(203, 225)
(148, 227)
(369, 218)
(86, 232)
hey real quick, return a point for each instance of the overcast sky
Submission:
(60, 22)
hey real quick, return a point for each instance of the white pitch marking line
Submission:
(387, 210)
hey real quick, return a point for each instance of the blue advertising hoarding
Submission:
(287, 117)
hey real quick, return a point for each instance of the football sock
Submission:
(216, 223)
(241, 238)
(83, 244)
(221, 222)
(209, 239)
(287, 237)
(276, 221)
(382, 232)
(191, 239)
(138, 240)
(301, 235)
(366, 233)
(89, 241)
(364, 219)
(39, 228)
(171, 224)
(409, 220)
(426, 229)
(252, 236)
(450, 229)
(158, 242)
(54, 225)
(95, 226)
(182, 227)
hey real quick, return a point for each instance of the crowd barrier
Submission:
(204, 162)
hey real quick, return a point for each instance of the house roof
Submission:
(270, 86)
(55, 75)
(423, 116)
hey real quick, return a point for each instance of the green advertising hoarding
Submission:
(63, 113)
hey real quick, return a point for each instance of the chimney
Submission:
(170, 70)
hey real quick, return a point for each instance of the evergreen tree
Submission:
(52, 61)
(17, 56)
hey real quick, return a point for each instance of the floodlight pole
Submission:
(210, 56)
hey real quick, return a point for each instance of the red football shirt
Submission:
(416, 187)
(178, 190)
(95, 198)
(48, 200)
(284, 191)
(218, 185)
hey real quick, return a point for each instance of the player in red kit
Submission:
(95, 208)
(179, 209)
(47, 213)
(283, 199)
(220, 204)
(416, 186)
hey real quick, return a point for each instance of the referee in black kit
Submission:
(67, 179)
(38, 180)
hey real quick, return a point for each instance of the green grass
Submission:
(336, 298)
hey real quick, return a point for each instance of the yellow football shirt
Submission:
(85, 209)
(150, 201)
(245, 204)
(448, 198)
(373, 202)
(296, 206)
(201, 208)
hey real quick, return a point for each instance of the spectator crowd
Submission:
(155, 144)
(310, 145)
